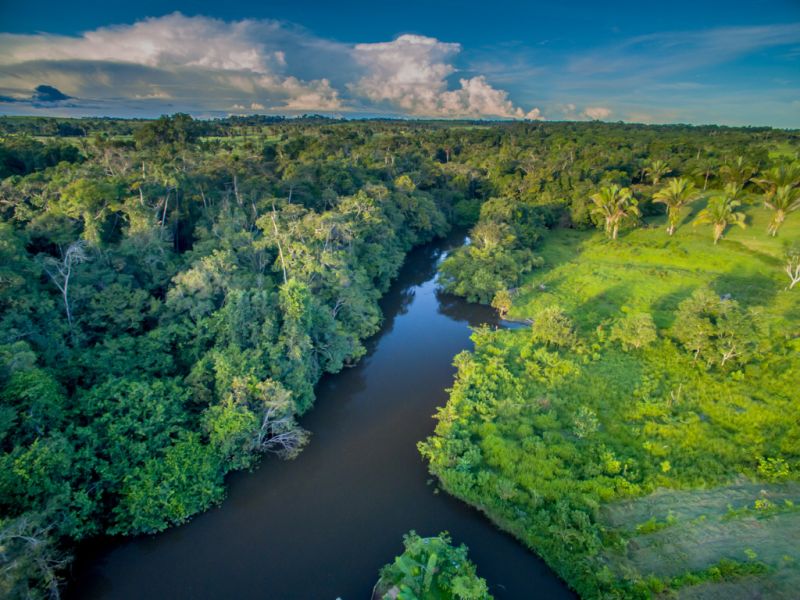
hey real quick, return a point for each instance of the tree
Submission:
(737, 172)
(30, 560)
(551, 326)
(257, 416)
(656, 170)
(179, 129)
(677, 193)
(169, 489)
(714, 329)
(780, 175)
(792, 266)
(614, 205)
(635, 330)
(705, 169)
(784, 200)
(91, 199)
(431, 568)
(721, 211)
(502, 302)
(60, 271)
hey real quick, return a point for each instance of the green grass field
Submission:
(646, 270)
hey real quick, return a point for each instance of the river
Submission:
(322, 525)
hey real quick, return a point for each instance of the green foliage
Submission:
(502, 302)
(499, 252)
(613, 206)
(178, 129)
(31, 562)
(722, 210)
(716, 330)
(431, 569)
(675, 195)
(169, 489)
(552, 327)
(634, 330)
(150, 342)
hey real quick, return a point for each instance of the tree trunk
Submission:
(278, 239)
(718, 230)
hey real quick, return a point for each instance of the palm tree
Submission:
(721, 211)
(614, 204)
(737, 172)
(771, 179)
(705, 169)
(785, 200)
(656, 170)
(678, 192)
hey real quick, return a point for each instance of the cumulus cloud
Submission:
(194, 63)
(204, 64)
(597, 113)
(170, 41)
(411, 73)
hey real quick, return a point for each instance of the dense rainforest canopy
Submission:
(171, 291)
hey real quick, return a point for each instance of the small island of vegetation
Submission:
(430, 568)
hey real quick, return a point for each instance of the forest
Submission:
(171, 292)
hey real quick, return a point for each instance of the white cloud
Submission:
(170, 41)
(195, 62)
(200, 64)
(410, 73)
(597, 113)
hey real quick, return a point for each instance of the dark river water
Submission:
(321, 526)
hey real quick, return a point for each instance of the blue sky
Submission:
(734, 63)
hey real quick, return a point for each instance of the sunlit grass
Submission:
(646, 270)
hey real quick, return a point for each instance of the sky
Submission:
(706, 61)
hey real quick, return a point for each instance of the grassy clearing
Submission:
(646, 270)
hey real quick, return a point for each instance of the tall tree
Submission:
(60, 271)
(614, 205)
(778, 176)
(792, 266)
(677, 193)
(722, 211)
(656, 170)
(738, 171)
(785, 200)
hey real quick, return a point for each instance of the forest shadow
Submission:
(603, 305)
(694, 209)
(665, 307)
(749, 289)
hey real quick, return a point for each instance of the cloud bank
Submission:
(208, 65)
